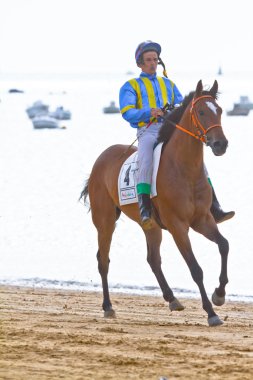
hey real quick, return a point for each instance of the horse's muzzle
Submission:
(218, 147)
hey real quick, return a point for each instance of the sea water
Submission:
(47, 235)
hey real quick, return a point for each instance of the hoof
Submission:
(214, 321)
(110, 314)
(175, 305)
(218, 301)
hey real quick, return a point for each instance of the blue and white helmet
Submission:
(146, 46)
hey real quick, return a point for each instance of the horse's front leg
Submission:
(218, 296)
(179, 232)
(208, 228)
(154, 239)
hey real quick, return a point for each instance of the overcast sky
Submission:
(81, 35)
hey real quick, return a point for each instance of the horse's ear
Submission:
(214, 89)
(199, 89)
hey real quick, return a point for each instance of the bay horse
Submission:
(183, 200)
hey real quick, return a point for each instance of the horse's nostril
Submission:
(220, 144)
(217, 144)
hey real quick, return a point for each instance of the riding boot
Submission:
(217, 212)
(145, 210)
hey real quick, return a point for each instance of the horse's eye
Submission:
(201, 113)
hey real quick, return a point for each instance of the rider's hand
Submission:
(157, 112)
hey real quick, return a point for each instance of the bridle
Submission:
(201, 131)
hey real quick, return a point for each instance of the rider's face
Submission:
(150, 61)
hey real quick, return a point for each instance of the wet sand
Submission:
(60, 334)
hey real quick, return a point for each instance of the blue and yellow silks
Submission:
(138, 96)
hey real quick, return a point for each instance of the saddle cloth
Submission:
(127, 180)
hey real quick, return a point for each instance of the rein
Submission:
(164, 109)
(201, 131)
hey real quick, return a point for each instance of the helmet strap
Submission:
(160, 62)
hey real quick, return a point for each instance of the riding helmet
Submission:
(146, 46)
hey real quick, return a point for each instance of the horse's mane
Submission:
(168, 128)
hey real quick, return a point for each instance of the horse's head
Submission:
(206, 117)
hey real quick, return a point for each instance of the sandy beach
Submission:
(59, 334)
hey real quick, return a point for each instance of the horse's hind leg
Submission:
(154, 238)
(209, 229)
(104, 215)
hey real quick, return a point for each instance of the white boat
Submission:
(61, 114)
(45, 121)
(111, 108)
(38, 108)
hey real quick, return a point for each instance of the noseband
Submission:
(201, 131)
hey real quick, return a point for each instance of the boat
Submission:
(219, 71)
(15, 91)
(242, 108)
(61, 114)
(245, 102)
(111, 108)
(238, 110)
(38, 108)
(45, 121)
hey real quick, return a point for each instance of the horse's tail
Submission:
(85, 192)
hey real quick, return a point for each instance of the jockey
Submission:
(141, 101)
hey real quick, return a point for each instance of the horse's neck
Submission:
(185, 150)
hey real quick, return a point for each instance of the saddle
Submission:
(127, 180)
